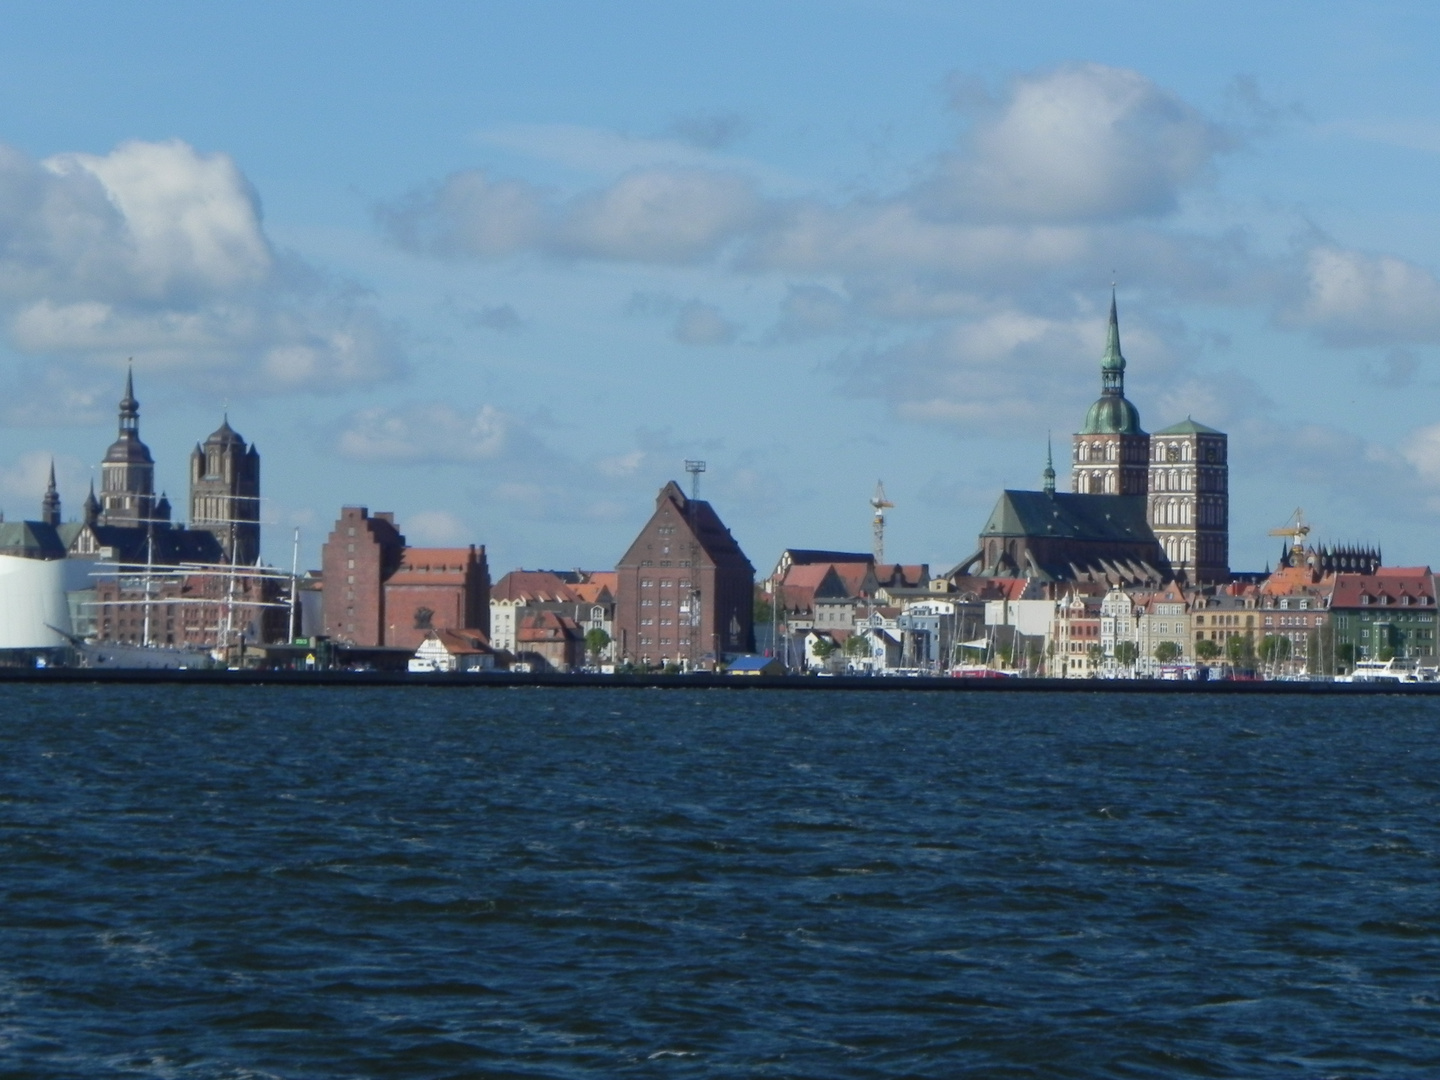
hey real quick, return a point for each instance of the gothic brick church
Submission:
(1142, 508)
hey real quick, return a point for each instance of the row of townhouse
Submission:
(1290, 623)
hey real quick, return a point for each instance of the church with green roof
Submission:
(1142, 508)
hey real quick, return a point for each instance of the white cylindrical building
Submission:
(34, 613)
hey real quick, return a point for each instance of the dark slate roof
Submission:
(1189, 427)
(171, 545)
(31, 540)
(808, 556)
(1082, 517)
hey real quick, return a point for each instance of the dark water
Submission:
(411, 883)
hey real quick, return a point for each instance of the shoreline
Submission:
(702, 681)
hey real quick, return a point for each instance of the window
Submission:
(647, 583)
(647, 603)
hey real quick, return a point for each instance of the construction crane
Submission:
(881, 504)
(1296, 529)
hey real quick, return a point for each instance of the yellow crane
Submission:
(881, 504)
(1297, 530)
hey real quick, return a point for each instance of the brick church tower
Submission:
(225, 494)
(1111, 451)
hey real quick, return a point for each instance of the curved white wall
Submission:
(32, 595)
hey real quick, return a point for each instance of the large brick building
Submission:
(378, 591)
(684, 589)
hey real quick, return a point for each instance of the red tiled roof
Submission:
(1388, 585)
(533, 585)
(462, 642)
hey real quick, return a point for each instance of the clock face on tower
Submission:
(1173, 453)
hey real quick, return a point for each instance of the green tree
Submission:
(823, 649)
(1207, 650)
(1241, 650)
(596, 641)
(857, 645)
(1096, 655)
(1167, 652)
(1126, 653)
(1274, 649)
(1345, 655)
(1385, 653)
(764, 609)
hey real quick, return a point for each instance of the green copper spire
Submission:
(1048, 484)
(1112, 414)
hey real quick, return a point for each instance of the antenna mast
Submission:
(694, 468)
(881, 504)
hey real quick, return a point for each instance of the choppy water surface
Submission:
(419, 883)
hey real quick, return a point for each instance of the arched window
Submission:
(1185, 513)
(1185, 451)
(1110, 451)
(1082, 452)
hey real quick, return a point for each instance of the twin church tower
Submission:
(224, 488)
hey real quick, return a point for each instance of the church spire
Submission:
(1112, 364)
(1048, 483)
(129, 407)
(50, 504)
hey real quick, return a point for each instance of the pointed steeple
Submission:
(50, 504)
(1113, 360)
(92, 506)
(1048, 483)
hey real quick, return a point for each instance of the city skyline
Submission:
(503, 274)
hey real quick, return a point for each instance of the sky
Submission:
(501, 268)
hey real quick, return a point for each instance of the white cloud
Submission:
(156, 251)
(435, 528)
(1357, 299)
(1422, 450)
(426, 432)
(1078, 143)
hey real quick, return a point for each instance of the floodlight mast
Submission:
(694, 468)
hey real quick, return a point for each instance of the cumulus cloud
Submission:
(1351, 298)
(156, 251)
(1082, 142)
(426, 432)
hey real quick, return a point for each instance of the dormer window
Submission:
(1364, 598)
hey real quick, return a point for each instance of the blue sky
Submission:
(501, 268)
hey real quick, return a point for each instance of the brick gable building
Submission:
(378, 591)
(684, 589)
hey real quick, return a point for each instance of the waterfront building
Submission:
(454, 650)
(380, 592)
(1119, 623)
(549, 641)
(684, 588)
(585, 596)
(1384, 615)
(1163, 618)
(1227, 617)
(225, 494)
(1074, 651)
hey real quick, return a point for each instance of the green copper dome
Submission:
(1112, 415)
